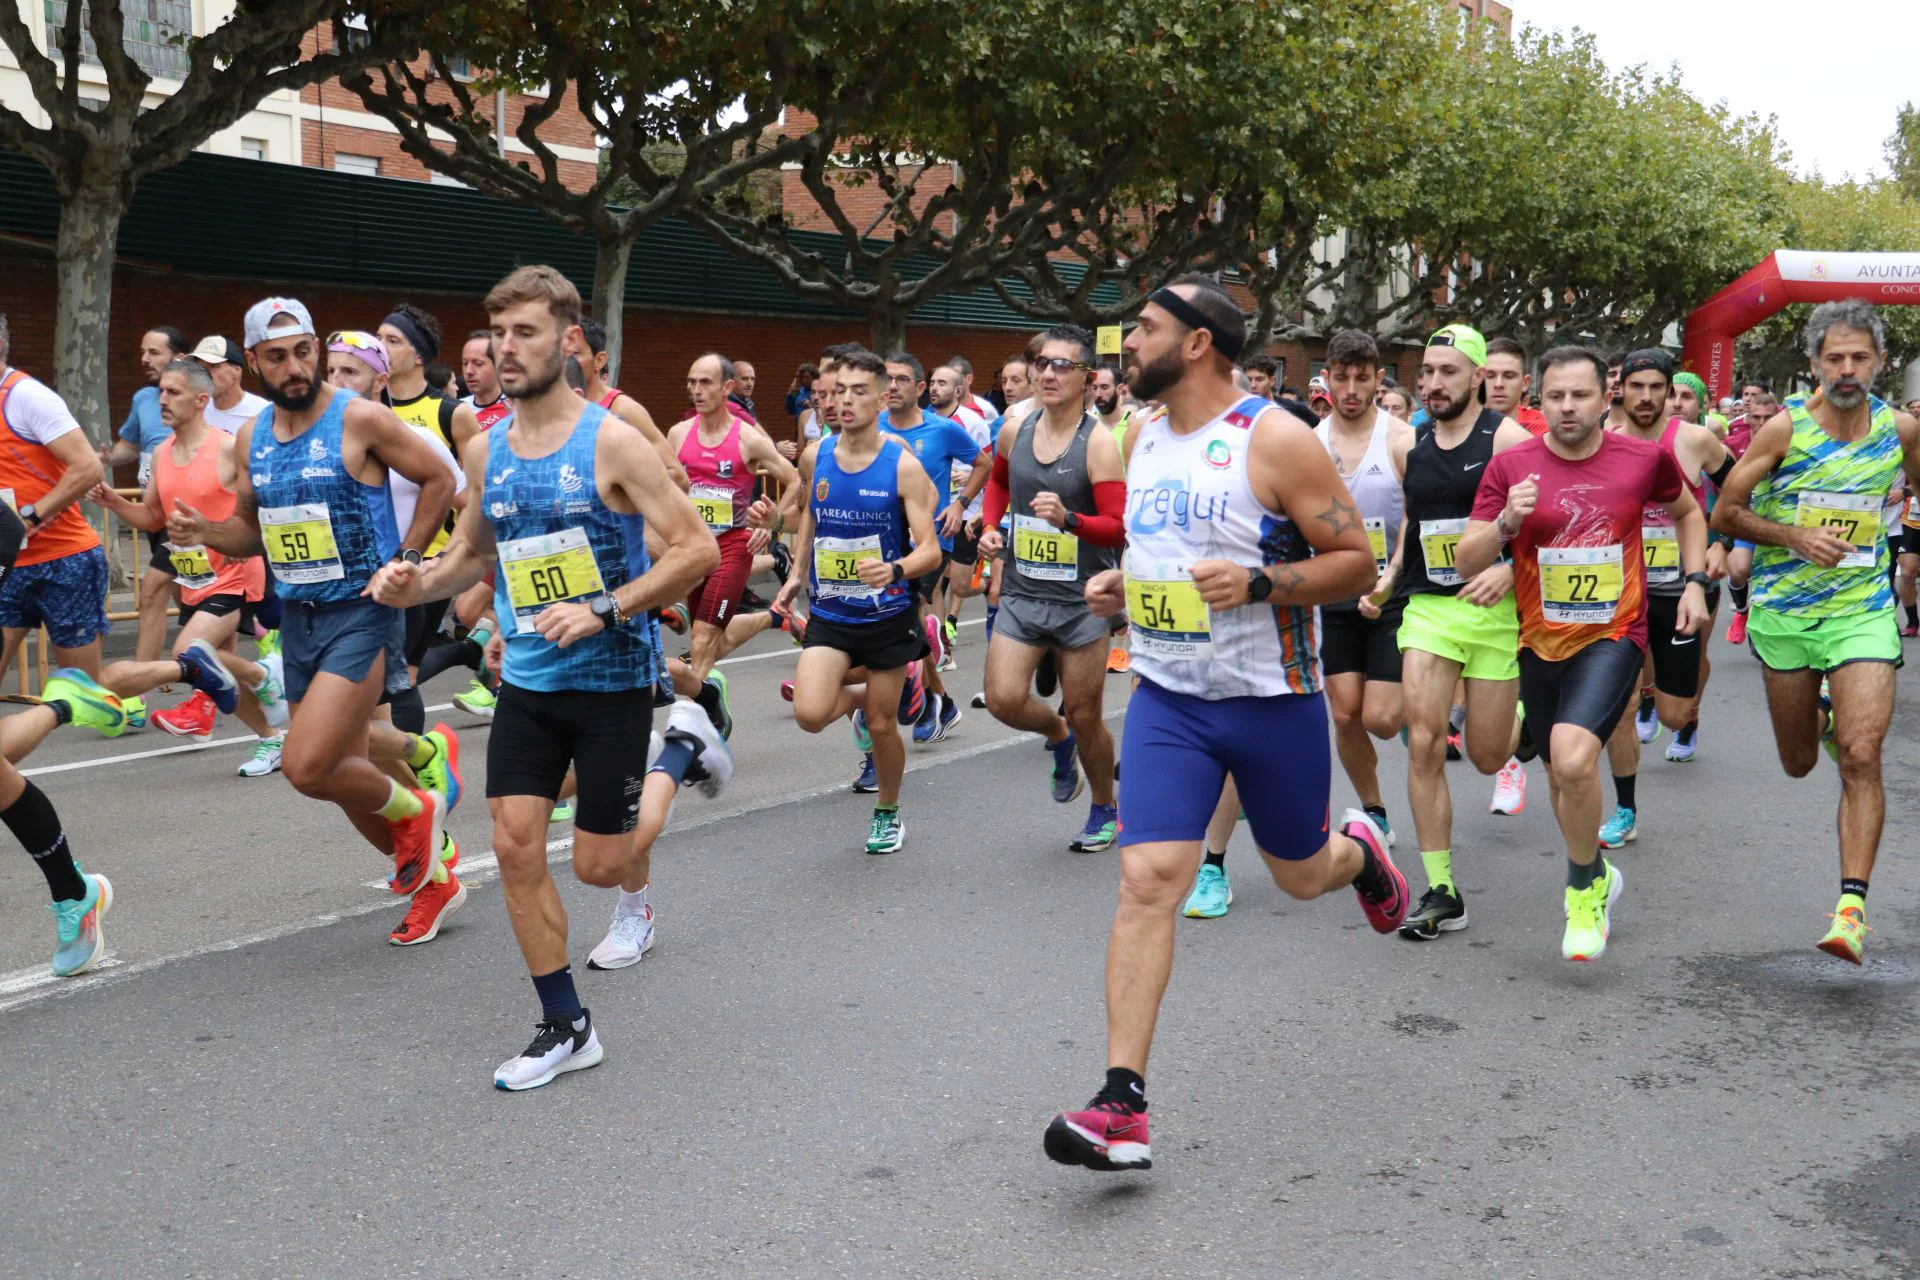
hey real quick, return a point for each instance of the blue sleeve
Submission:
(962, 448)
(130, 429)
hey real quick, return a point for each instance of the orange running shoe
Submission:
(417, 843)
(431, 907)
(1118, 659)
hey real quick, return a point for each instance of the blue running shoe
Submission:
(927, 728)
(1622, 828)
(1103, 821)
(1067, 781)
(868, 781)
(78, 940)
(913, 696)
(861, 738)
(1211, 895)
(211, 676)
(949, 717)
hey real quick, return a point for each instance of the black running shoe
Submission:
(1440, 911)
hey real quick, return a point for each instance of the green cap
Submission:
(1465, 339)
(1699, 387)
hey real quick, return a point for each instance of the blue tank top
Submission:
(325, 531)
(559, 542)
(857, 515)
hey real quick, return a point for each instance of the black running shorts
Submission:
(1591, 689)
(602, 737)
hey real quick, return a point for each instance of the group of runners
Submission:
(1286, 582)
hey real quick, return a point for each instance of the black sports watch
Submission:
(1259, 586)
(899, 571)
(607, 609)
(408, 554)
(1072, 522)
(1699, 580)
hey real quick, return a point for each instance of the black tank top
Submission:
(1440, 486)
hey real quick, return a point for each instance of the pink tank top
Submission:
(201, 571)
(721, 484)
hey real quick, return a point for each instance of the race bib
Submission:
(1168, 617)
(1852, 517)
(714, 505)
(548, 570)
(1581, 585)
(1042, 551)
(192, 567)
(1660, 547)
(1439, 539)
(836, 565)
(1377, 539)
(145, 471)
(300, 545)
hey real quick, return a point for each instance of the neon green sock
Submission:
(420, 751)
(1439, 864)
(1853, 900)
(401, 804)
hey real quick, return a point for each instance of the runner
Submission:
(1508, 383)
(1571, 505)
(488, 402)
(1237, 526)
(938, 443)
(1455, 627)
(1809, 493)
(1395, 400)
(620, 404)
(313, 499)
(741, 397)
(946, 395)
(1761, 406)
(1059, 469)
(1263, 376)
(143, 432)
(865, 536)
(567, 495)
(722, 453)
(58, 578)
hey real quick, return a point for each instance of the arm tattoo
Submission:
(1288, 580)
(1340, 517)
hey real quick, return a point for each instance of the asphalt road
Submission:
(841, 1065)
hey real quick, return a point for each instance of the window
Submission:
(348, 163)
(156, 33)
(440, 179)
(356, 29)
(253, 148)
(459, 65)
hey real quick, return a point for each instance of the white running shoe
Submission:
(265, 758)
(271, 693)
(628, 938)
(1509, 789)
(557, 1048)
(716, 758)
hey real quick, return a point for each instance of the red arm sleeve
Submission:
(994, 504)
(1109, 527)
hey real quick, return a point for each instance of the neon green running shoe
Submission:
(1847, 939)
(136, 709)
(269, 644)
(562, 812)
(1590, 916)
(476, 700)
(88, 702)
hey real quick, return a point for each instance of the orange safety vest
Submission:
(28, 473)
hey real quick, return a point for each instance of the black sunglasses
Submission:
(1059, 364)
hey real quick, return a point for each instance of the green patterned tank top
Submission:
(1842, 487)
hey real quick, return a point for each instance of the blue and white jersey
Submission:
(857, 516)
(326, 532)
(559, 542)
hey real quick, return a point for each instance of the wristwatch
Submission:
(607, 609)
(1699, 580)
(408, 554)
(1073, 522)
(899, 572)
(31, 516)
(1259, 586)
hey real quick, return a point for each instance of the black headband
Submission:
(421, 340)
(1192, 317)
(1644, 359)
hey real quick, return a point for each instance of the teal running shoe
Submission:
(78, 940)
(1623, 828)
(1211, 895)
(861, 738)
(887, 834)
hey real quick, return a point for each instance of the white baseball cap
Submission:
(262, 313)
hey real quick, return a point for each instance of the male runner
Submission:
(1570, 506)
(1508, 383)
(566, 495)
(232, 406)
(143, 432)
(1455, 627)
(1809, 493)
(723, 452)
(937, 443)
(1237, 526)
(865, 537)
(946, 395)
(1616, 394)
(1263, 372)
(1059, 469)
(1761, 406)
(313, 498)
(488, 402)
(59, 577)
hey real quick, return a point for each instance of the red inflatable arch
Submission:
(1787, 277)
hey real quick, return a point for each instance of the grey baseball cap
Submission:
(262, 313)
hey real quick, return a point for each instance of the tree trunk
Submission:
(610, 257)
(887, 330)
(89, 230)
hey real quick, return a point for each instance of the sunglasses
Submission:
(357, 339)
(1059, 364)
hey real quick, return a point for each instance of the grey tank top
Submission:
(1050, 563)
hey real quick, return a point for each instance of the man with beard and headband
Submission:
(1809, 492)
(1237, 526)
(311, 495)
(1457, 628)
(566, 494)
(1569, 508)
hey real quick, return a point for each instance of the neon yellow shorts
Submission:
(1787, 643)
(1484, 641)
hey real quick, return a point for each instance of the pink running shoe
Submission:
(1385, 916)
(1737, 629)
(1108, 1136)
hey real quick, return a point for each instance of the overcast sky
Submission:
(1834, 89)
